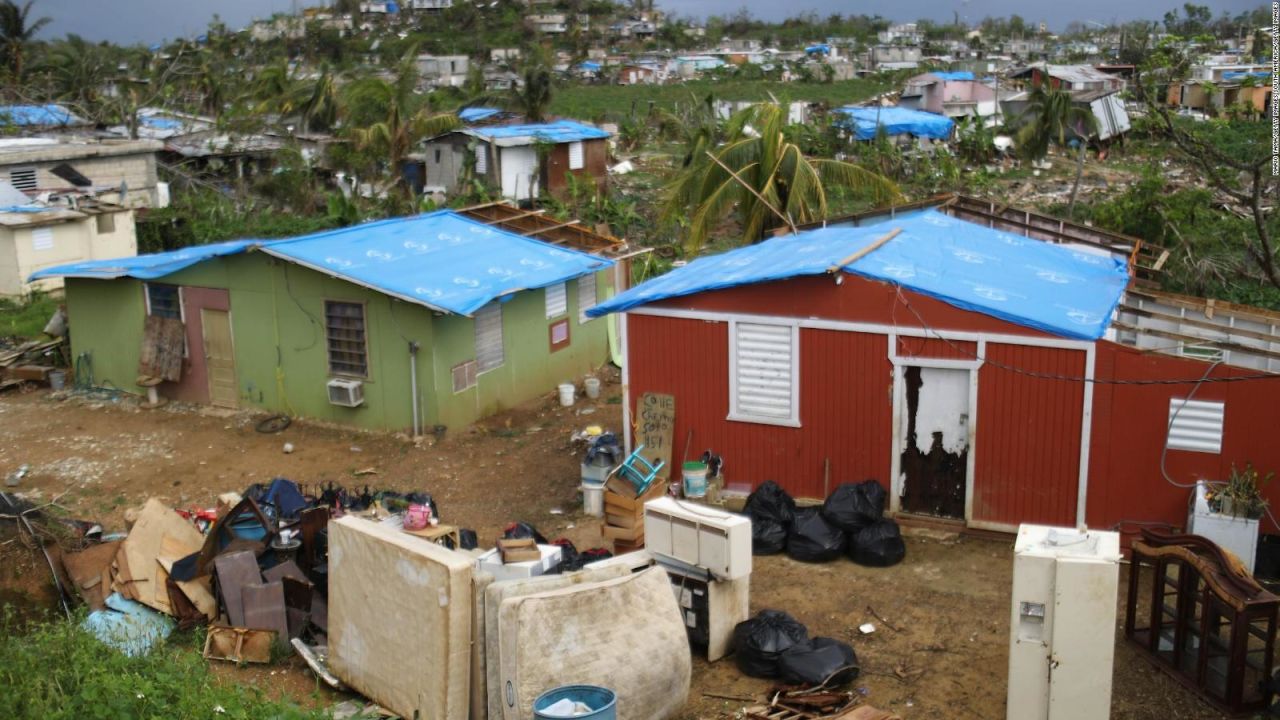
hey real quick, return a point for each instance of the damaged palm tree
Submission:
(764, 179)
(1052, 118)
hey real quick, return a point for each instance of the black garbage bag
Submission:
(878, 545)
(767, 537)
(853, 506)
(570, 560)
(468, 538)
(759, 643)
(813, 538)
(524, 530)
(770, 502)
(821, 660)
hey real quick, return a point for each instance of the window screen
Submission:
(489, 351)
(557, 300)
(586, 296)
(576, 158)
(345, 334)
(763, 373)
(164, 301)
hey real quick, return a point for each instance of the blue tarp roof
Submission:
(441, 259)
(953, 75)
(38, 116)
(895, 121)
(820, 48)
(1240, 74)
(590, 66)
(476, 114)
(558, 131)
(1025, 281)
(146, 267)
(160, 122)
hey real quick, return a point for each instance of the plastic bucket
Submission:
(567, 392)
(592, 386)
(593, 499)
(695, 479)
(58, 380)
(602, 701)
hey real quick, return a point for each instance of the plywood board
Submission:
(609, 633)
(655, 424)
(400, 619)
(163, 341)
(158, 534)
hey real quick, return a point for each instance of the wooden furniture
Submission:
(438, 534)
(1199, 616)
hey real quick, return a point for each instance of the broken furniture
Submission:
(239, 645)
(624, 513)
(439, 534)
(517, 550)
(1199, 616)
(1064, 617)
(639, 470)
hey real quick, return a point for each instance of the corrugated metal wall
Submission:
(1026, 467)
(918, 347)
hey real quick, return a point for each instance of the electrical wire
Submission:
(315, 324)
(1173, 416)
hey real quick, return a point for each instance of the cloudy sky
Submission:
(147, 21)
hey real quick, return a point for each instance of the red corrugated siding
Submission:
(917, 347)
(845, 403)
(1131, 422)
(1026, 468)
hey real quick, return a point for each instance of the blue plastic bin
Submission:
(602, 701)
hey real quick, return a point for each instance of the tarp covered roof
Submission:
(441, 260)
(953, 75)
(1029, 282)
(558, 131)
(476, 114)
(39, 116)
(863, 121)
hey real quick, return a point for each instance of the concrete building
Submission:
(37, 236)
(954, 94)
(552, 23)
(105, 168)
(444, 70)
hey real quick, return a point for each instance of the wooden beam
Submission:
(1196, 340)
(512, 218)
(549, 228)
(875, 245)
(785, 218)
(1198, 323)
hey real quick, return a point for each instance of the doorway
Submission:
(934, 436)
(219, 357)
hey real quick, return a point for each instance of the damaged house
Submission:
(1091, 88)
(437, 319)
(989, 366)
(954, 94)
(121, 171)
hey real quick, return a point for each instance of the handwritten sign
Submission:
(655, 423)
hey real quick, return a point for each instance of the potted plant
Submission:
(1241, 495)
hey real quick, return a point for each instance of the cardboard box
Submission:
(491, 562)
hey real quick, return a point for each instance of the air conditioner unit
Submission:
(698, 535)
(347, 393)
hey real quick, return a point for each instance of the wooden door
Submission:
(935, 441)
(219, 357)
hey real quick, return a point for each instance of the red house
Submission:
(987, 365)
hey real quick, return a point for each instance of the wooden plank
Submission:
(655, 422)
(875, 245)
(1196, 340)
(163, 341)
(1194, 322)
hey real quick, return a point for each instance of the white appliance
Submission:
(491, 562)
(344, 392)
(1236, 534)
(698, 535)
(1062, 641)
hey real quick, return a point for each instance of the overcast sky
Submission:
(147, 21)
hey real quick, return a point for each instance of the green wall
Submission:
(277, 321)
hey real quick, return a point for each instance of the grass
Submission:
(26, 318)
(55, 671)
(593, 102)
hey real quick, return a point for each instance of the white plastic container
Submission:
(593, 499)
(567, 394)
(1236, 534)
(592, 386)
(491, 562)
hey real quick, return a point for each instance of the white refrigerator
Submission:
(1062, 641)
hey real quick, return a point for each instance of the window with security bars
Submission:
(344, 325)
(164, 301)
(764, 381)
(464, 376)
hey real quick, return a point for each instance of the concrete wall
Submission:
(137, 171)
(72, 241)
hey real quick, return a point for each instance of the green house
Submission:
(438, 315)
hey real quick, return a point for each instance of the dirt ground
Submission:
(940, 645)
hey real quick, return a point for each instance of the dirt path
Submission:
(945, 655)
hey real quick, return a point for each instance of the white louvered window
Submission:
(1196, 425)
(23, 178)
(482, 160)
(764, 373)
(557, 300)
(577, 160)
(489, 352)
(586, 296)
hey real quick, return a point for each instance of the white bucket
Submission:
(567, 393)
(593, 499)
(695, 479)
(592, 386)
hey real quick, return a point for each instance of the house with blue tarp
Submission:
(40, 117)
(867, 122)
(522, 160)
(437, 319)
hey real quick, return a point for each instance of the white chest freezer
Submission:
(1063, 635)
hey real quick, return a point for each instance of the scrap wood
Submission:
(884, 622)
(238, 644)
(90, 572)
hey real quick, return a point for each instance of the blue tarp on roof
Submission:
(820, 48)
(38, 116)
(146, 267)
(441, 259)
(953, 75)
(1240, 74)
(1024, 281)
(589, 66)
(160, 122)
(558, 131)
(895, 121)
(476, 114)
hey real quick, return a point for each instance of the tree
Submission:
(16, 30)
(764, 177)
(1051, 118)
(530, 98)
(77, 70)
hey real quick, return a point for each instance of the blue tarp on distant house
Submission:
(558, 131)
(864, 121)
(820, 48)
(1240, 75)
(39, 116)
(1029, 282)
(589, 66)
(476, 114)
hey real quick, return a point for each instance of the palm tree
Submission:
(16, 30)
(1051, 118)
(77, 69)
(320, 107)
(530, 98)
(764, 177)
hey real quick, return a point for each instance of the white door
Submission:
(519, 172)
(934, 438)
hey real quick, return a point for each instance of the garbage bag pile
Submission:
(775, 645)
(850, 522)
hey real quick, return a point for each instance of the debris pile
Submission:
(850, 522)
